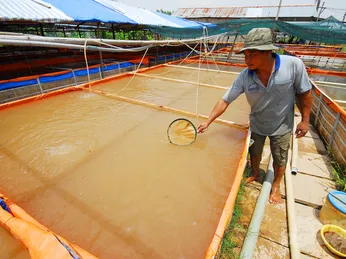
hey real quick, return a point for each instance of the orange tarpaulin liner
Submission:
(68, 60)
(31, 233)
(37, 239)
(330, 103)
(330, 54)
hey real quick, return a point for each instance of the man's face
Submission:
(254, 58)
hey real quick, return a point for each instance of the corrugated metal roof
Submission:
(181, 21)
(303, 10)
(30, 10)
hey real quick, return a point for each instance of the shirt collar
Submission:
(277, 64)
(277, 61)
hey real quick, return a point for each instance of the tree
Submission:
(165, 12)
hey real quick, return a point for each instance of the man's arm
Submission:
(305, 103)
(219, 109)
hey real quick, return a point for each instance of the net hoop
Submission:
(189, 122)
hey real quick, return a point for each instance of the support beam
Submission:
(277, 14)
(181, 81)
(113, 31)
(203, 69)
(161, 107)
(41, 29)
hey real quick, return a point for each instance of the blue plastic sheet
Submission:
(126, 64)
(9, 85)
(48, 79)
(83, 72)
(110, 67)
(4, 205)
(89, 10)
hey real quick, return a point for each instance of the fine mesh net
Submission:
(328, 31)
(182, 132)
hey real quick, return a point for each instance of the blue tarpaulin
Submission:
(89, 10)
(48, 79)
(106, 11)
(9, 85)
(54, 78)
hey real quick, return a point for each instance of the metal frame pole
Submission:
(318, 109)
(337, 119)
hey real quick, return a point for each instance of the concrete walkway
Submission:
(315, 175)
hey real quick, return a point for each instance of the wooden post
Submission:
(80, 36)
(98, 30)
(230, 53)
(41, 28)
(277, 14)
(113, 31)
(101, 65)
(322, 9)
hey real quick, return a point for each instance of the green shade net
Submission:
(327, 31)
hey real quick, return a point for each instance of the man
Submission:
(270, 84)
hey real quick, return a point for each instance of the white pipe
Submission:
(202, 69)
(81, 41)
(257, 216)
(277, 14)
(161, 107)
(67, 46)
(181, 81)
(291, 214)
(294, 150)
(330, 83)
(340, 101)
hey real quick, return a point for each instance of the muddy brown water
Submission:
(336, 241)
(102, 173)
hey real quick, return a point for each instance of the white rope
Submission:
(165, 72)
(111, 46)
(198, 80)
(134, 74)
(201, 56)
(87, 65)
(212, 50)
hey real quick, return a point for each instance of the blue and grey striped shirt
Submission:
(272, 106)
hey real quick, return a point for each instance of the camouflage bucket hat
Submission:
(260, 39)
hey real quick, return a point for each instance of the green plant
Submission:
(339, 172)
(228, 245)
(164, 11)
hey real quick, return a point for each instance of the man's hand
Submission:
(302, 129)
(219, 109)
(202, 128)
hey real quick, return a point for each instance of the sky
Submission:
(338, 5)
